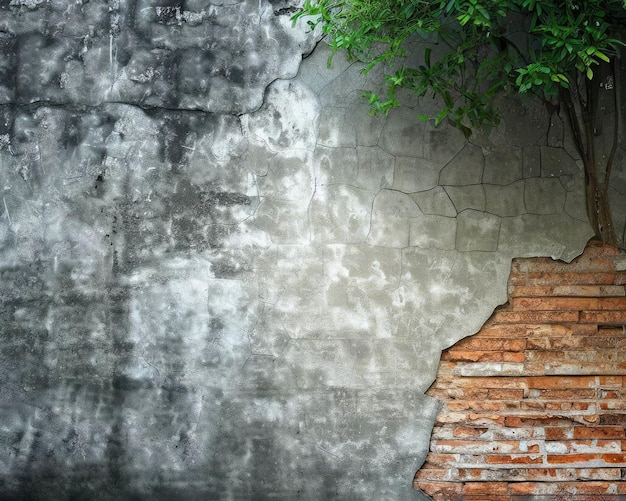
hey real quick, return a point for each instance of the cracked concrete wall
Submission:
(220, 276)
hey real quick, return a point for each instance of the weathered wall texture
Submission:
(534, 402)
(221, 278)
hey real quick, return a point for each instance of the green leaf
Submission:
(464, 19)
(483, 11)
(442, 114)
(602, 56)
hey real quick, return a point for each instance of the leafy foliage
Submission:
(482, 47)
(472, 50)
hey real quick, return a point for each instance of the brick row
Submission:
(496, 460)
(569, 303)
(534, 278)
(531, 407)
(525, 383)
(589, 446)
(530, 330)
(551, 367)
(499, 446)
(518, 474)
(546, 291)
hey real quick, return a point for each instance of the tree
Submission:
(473, 51)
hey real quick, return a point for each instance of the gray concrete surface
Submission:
(220, 277)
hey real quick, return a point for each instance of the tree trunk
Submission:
(581, 119)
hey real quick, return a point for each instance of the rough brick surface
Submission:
(535, 403)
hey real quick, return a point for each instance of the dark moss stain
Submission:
(200, 219)
(9, 56)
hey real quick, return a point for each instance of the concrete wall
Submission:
(220, 277)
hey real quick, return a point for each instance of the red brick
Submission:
(561, 330)
(482, 356)
(549, 382)
(557, 303)
(566, 394)
(571, 458)
(598, 488)
(605, 317)
(481, 497)
(440, 490)
(479, 405)
(513, 459)
(611, 303)
(466, 432)
(599, 432)
(523, 488)
(569, 368)
(491, 488)
(486, 383)
(470, 473)
(532, 291)
(536, 317)
(612, 394)
(508, 331)
(432, 474)
(569, 278)
(542, 356)
(529, 405)
(614, 458)
(490, 344)
(620, 278)
(468, 419)
(606, 342)
(441, 460)
(557, 406)
(612, 405)
(541, 343)
(591, 418)
(567, 489)
(600, 249)
(517, 278)
(558, 433)
(585, 488)
(438, 393)
(480, 447)
(598, 473)
(535, 420)
(505, 394)
(550, 474)
(588, 290)
(555, 343)
(610, 381)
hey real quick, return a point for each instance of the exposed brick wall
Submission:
(535, 403)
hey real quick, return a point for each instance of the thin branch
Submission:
(566, 96)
